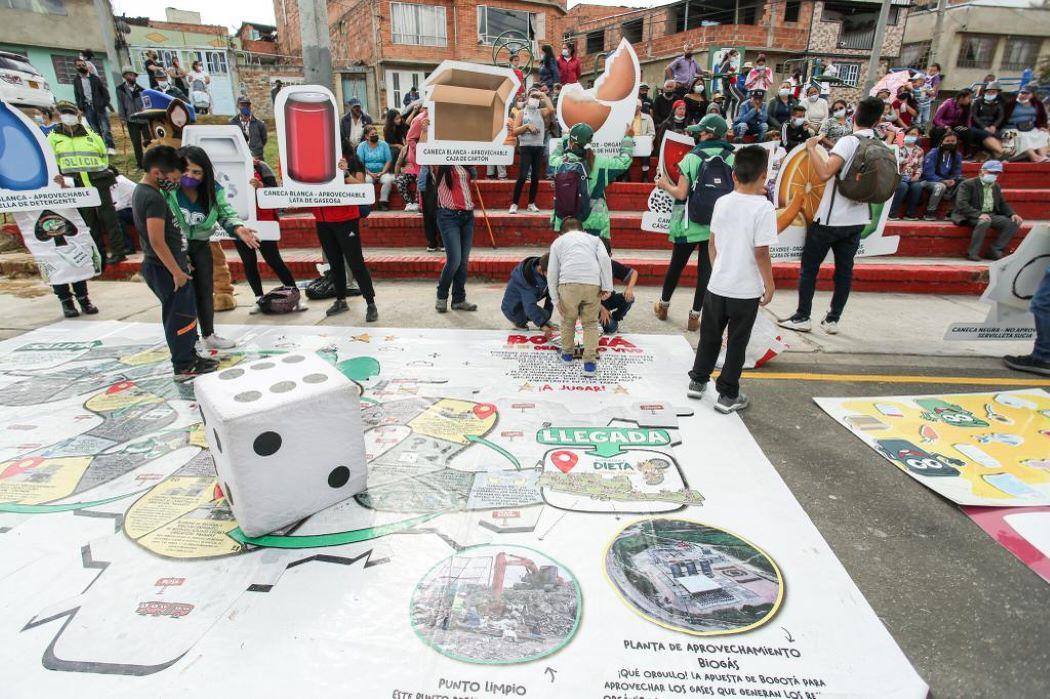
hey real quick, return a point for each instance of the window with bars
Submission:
(792, 9)
(708, 13)
(633, 30)
(977, 51)
(596, 41)
(916, 55)
(66, 71)
(493, 21)
(849, 73)
(1021, 52)
(418, 25)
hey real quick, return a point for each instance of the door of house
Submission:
(354, 86)
(398, 82)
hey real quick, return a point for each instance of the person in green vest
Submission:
(601, 171)
(198, 206)
(688, 235)
(81, 155)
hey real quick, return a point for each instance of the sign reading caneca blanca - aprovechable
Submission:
(308, 138)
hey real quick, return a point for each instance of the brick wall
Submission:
(257, 84)
(824, 35)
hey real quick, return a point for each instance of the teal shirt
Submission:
(682, 229)
(606, 170)
(197, 224)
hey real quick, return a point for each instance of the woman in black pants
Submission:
(339, 230)
(264, 177)
(529, 128)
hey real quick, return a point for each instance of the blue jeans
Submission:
(1040, 308)
(178, 313)
(906, 198)
(618, 308)
(514, 310)
(843, 241)
(753, 129)
(924, 113)
(100, 124)
(457, 232)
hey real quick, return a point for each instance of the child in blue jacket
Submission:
(526, 298)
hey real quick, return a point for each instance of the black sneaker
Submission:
(200, 366)
(464, 306)
(726, 405)
(929, 216)
(371, 313)
(338, 307)
(116, 259)
(69, 309)
(797, 323)
(1027, 363)
(696, 389)
(353, 291)
(86, 306)
(441, 305)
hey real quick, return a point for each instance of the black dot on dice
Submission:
(315, 378)
(247, 396)
(339, 476)
(218, 442)
(282, 387)
(267, 443)
(293, 359)
(263, 365)
(232, 374)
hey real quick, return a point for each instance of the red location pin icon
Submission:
(119, 386)
(484, 411)
(564, 460)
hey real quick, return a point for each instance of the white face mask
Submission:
(565, 53)
(785, 92)
(69, 119)
(988, 178)
(839, 113)
(910, 140)
(698, 89)
(813, 98)
(533, 103)
(798, 121)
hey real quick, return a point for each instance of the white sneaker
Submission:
(802, 325)
(831, 327)
(214, 342)
(532, 208)
(411, 207)
(111, 151)
(513, 209)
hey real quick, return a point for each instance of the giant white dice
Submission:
(286, 436)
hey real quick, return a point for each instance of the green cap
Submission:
(581, 134)
(712, 124)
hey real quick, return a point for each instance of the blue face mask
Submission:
(246, 111)
(988, 178)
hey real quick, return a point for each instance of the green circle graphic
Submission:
(488, 640)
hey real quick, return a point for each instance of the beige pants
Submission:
(580, 301)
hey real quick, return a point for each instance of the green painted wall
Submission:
(41, 60)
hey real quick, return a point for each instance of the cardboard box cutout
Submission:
(468, 105)
(309, 143)
(229, 153)
(609, 106)
(1012, 283)
(28, 168)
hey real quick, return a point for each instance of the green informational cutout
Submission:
(603, 441)
(359, 368)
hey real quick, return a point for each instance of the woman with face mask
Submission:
(1025, 119)
(177, 76)
(676, 122)
(910, 157)
(986, 119)
(198, 205)
(530, 127)
(816, 107)
(568, 65)
(905, 105)
(549, 71)
(781, 106)
(200, 93)
(836, 125)
(695, 102)
(760, 77)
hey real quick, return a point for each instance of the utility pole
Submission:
(317, 52)
(105, 24)
(876, 47)
(935, 40)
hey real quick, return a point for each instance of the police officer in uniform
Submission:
(81, 154)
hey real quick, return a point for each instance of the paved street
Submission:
(969, 615)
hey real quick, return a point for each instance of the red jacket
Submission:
(335, 214)
(569, 68)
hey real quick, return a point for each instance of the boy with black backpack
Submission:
(581, 176)
(859, 171)
(707, 175)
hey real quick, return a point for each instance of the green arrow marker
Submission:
(495, 447)
(45, 509)
(277, 541)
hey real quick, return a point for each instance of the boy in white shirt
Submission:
(743, 226)
(579, 278)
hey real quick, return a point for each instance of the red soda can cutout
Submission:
(309, 119)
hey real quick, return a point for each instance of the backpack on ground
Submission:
(572, 196)
(283, 299)
(872, 176)
(321, 288)
(714, 180)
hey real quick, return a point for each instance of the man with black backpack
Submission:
(860, 170)
(707, 174)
